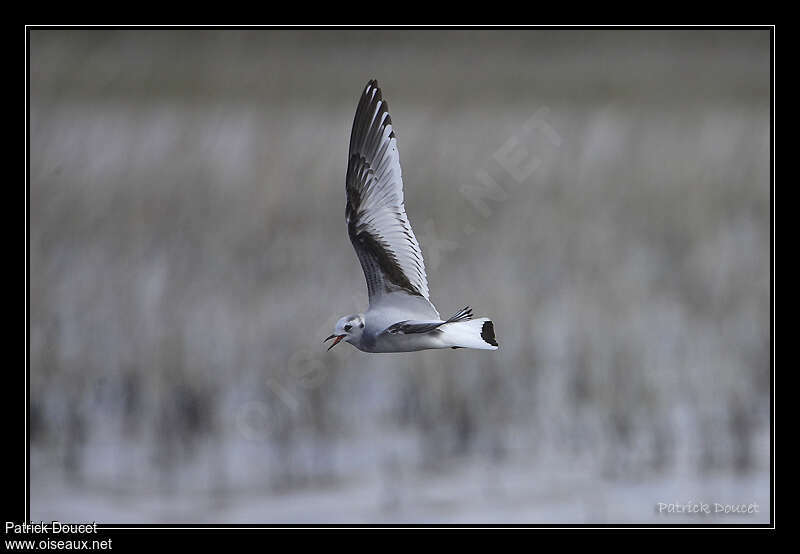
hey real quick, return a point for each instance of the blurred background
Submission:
(604, 196)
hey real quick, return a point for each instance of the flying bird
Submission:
(401, 317)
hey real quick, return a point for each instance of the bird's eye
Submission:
(361, 325)
(348, 327)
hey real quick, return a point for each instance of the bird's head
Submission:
(348, 328)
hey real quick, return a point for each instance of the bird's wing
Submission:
(376, 217)
(409, 327)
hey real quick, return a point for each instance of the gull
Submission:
(401, 317)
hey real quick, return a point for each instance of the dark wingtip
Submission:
(373, 85)
(487, 333)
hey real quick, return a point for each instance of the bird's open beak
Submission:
(335, 342)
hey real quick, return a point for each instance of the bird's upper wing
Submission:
(376, 218)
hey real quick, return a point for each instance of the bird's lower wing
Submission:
(409, 327)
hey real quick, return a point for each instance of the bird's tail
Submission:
(473, 333)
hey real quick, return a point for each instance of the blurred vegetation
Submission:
(188, 252)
